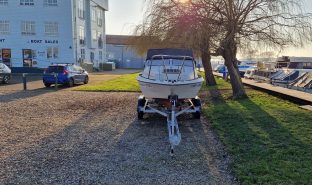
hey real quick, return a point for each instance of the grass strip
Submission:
(124, 83)
(269, 139)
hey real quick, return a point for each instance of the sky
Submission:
(123, 15)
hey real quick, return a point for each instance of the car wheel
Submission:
(71, 82)
(86, 81)
(5, 79)
(47, 84)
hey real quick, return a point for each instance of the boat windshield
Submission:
(170, 62)
(170, 69)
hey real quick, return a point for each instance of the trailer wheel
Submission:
(196, 115)
(141, 103)
(140, 115)
(196, 102)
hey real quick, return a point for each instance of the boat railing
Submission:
(163, 57)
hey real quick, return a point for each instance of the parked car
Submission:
(67, 74)
(5, 73)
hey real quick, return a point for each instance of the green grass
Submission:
(124, 83)
(221, 84)
(269, 139)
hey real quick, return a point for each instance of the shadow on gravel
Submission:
(113, 151)
(17, 95)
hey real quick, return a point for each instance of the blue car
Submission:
(67, 74)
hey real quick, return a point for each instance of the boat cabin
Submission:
(170, 68)
(172, 65)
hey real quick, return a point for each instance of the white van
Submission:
(5, 73)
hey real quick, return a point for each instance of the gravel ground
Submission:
(66, 137)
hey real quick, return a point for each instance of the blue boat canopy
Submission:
(169, 53)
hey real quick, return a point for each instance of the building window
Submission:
(28, 28)
(52, 53)
(94, 36)
(51, 28)
(100, 18)
(81, 11)
(3, 2)
(81, 35)
(50, 2)
(4, 27)
(93, 15)
(92, 57)
(27, 2)
(100, 39)
(100, 55)
(83, 54)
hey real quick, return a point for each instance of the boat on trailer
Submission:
(170, 85)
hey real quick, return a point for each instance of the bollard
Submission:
(56, 80)
(24, 81)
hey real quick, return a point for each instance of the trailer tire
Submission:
(196, 102)
(140, 115)
(196, 115)
(141, 103)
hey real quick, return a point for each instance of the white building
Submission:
(36, 33)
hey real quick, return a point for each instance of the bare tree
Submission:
(271, 22)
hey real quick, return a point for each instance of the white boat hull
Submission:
(161, 90)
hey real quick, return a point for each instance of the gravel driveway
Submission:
(66, 137)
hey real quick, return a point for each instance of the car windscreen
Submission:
(55, 69)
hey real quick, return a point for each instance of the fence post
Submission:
(56, 80)
(24, 81)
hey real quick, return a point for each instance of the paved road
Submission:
(66, 137)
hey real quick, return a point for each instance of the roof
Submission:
(118, 39)
(170, 52)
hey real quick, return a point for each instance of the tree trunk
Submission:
(230, 61)
(206, 60)
(235, 79)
